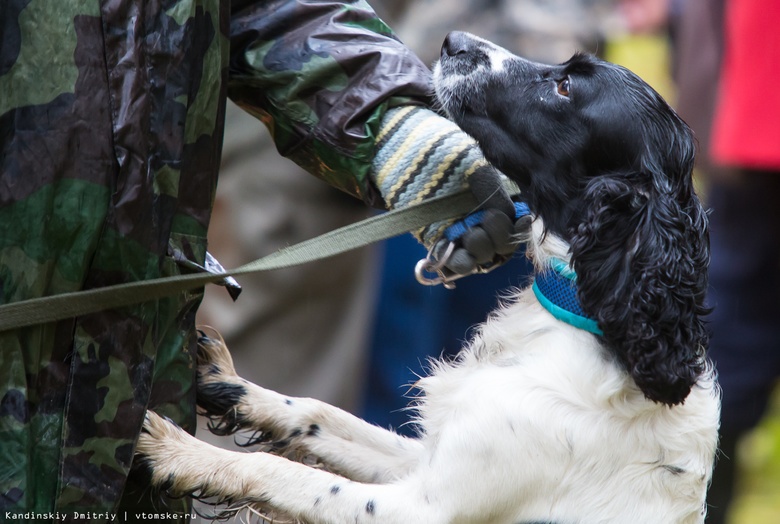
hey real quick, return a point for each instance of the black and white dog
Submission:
(599, 407)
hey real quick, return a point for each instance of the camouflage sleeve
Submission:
(321, 75)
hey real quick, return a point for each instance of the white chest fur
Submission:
(536, 415)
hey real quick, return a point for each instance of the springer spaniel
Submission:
(587, 398)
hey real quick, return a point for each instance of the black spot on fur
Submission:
(279, 445)
(218, 401)
(370, 507)
(167, 483)
(142, 468)
(334, 490)
(674, 470)
(314, 430)
(288, 402)
(217, 398)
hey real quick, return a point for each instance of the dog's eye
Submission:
(563, 87)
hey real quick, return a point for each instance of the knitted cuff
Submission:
(420, 155)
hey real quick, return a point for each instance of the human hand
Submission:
(478, 243)
(421, 155)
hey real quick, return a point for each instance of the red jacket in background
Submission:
(746, 129)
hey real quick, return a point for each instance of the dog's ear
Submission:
(641, 252)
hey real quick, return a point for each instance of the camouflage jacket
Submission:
(111, 119)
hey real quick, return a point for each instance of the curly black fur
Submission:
(608, 168)
(640, 245)
(641, 265)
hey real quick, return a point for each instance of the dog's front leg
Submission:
(183, 464)
(341, 441)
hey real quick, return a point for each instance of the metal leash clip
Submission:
(431, 265)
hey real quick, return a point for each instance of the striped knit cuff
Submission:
(420, 155)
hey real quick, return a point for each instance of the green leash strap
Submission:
(381, 227)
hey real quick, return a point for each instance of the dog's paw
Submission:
(181, 465)
(214, 359)
(219, 388)
(232, 403)
(161, 450)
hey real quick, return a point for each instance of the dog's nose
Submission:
(456, 43)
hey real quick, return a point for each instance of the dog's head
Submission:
(606, 164)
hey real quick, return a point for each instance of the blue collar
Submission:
(556, 290)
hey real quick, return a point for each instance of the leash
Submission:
(555, 288)
(52, 308)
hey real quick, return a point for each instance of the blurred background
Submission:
(370, 327)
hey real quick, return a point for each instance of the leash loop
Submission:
(431, 265)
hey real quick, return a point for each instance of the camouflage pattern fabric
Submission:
(291, 86)
(111, 118)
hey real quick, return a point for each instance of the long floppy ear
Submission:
(641, 255)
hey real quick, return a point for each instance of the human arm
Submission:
(328, 79)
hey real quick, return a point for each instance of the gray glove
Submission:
(481, 241)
